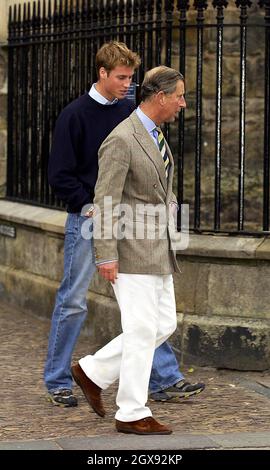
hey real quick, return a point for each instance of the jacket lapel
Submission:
(171, 171)
(149, 147)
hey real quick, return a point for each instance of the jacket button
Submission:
(155, 186)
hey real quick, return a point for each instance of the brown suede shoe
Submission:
(143, 426)
(91, 391)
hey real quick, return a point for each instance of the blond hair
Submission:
(115, 53)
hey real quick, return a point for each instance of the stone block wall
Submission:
(222, 294)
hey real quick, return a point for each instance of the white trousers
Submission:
(148, 316)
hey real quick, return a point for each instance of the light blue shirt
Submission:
(149, 125)
(98, 97)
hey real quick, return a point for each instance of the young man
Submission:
(80, 130)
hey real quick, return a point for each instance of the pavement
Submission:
(232, 413)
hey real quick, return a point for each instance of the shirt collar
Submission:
(149, 125)
(99, 98)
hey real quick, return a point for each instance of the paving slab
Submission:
(243, 440)
(30, 445)
(172, 442)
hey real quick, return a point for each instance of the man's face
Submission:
(115, 83)
(174, 102)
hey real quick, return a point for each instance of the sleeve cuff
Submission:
(99, 263)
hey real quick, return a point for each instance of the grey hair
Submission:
(160, 78)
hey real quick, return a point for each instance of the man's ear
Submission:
(161, 97)
(103, 74)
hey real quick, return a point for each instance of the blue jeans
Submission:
(165, 370)
(71, 309)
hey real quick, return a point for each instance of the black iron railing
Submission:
(220, 143)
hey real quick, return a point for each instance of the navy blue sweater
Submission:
(79, 132)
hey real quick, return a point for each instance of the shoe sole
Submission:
(174, 396)
(62, 405)
(145, 433)
(184, 394)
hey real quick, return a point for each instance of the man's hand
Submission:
(174, 208)
(109, 271)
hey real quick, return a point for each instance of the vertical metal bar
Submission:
(34, 98)
(158, 28)
(72, 35)
(242, 111)
(67, 51)
(17, 104)
(40, 180)
(21, 180)
(94, 29)
(41, 94)
(27, 117)
(83, 47)
(47, 22)
(142, 39)
(200, 5)
(182, 6)
(48, 94)
(43, 160)
(90, 46)
(266, 161)
(77, 51)
(135, 28)
(219, 4)
(108, 19)
(10, 121)
(121, 20)
(169, 7)
(100, 15)
(114, 24)
(149, 46)
(60, 57)
(88, 71)
(135, 44)
(23, 110)
(56, 61)
(128, 22)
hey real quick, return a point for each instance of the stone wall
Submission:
(222, 294)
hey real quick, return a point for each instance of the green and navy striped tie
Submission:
(162, 148)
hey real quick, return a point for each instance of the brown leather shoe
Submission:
(91, 391)
(143, 426)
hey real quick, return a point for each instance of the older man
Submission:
(136, 171)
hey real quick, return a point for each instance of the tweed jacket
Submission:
(132, 173)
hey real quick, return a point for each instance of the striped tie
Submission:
(162, 148)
